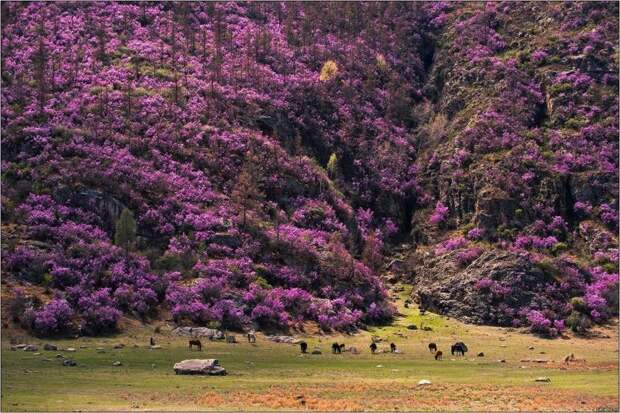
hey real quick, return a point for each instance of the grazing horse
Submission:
(304, 347)
(152, 341)
(373, 348)
(342, 347)
(392, 348)
(432, 347)
(439, 355)
(251, 337)
(459, 347)
(336, 348)
(196, 343)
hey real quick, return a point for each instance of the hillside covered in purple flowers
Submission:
(233, 164)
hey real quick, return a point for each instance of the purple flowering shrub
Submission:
(439, 214)
(82, 254)
(54, 318)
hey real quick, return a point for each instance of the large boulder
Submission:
(103, 204)
(209, 333)
(444, 288)
(210, 367)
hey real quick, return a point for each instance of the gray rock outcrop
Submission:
(444, 288)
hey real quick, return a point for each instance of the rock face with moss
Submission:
(488, 291)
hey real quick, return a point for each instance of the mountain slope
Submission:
(271, 154)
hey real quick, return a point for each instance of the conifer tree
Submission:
(125, 235)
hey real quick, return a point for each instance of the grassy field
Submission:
(270, 376)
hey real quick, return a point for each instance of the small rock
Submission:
(503, 346)
(119, 346)
(117, 363)
(50, 347)
(60, 356)
(412, 327)
(69, 363)
(31, 347)
(19, 347)
(426, 328)
(83, 347)
(530, 348)
(353, 350)
(156, 347)
(316, 352)
(424, 382)
(543, 379)
(70, 350)
(379, 365)
(543, 352)
(36, 354)
(501, 360)
(481, 354)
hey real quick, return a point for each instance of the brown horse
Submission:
(392, 348)
(432, 347)
(373, 348)
(196, 343)
(439, 355)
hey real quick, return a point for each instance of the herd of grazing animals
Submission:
(458, 348)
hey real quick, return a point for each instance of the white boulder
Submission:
(209, 367)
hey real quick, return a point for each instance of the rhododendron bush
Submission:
(268, 156)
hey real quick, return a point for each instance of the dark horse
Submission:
(432, 347)
(392, 348)
(337, 348)
(196, 343)
(304, 346)
(152, 341)
(439, 355)
(459, 347)
(373, 348)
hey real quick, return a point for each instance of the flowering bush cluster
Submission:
(271, 153)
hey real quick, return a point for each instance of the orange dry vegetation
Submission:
(359, 397)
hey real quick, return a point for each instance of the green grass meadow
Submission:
(272, 376)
